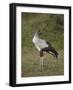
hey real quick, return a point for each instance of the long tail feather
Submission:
(53, 51)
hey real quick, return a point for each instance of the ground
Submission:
(51, 66)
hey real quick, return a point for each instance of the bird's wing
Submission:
(51, 50)
(49, 44)
(42, 43)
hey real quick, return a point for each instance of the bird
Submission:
(43, 46)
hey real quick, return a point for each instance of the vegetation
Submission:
(52, 28)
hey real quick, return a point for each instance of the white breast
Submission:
(35, 43)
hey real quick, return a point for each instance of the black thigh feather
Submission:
(41, 53)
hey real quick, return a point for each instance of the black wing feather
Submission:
(49, 44)
(52, 50)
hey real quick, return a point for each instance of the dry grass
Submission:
(31, 64)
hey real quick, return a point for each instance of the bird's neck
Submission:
(36, 35)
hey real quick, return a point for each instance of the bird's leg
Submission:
(41, 62)
(41, 59)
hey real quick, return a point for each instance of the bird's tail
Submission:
(53, 52)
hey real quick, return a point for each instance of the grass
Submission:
(31, 64)
(52, 28)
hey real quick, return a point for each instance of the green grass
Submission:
(52, 28)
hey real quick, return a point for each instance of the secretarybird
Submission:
(43, 46)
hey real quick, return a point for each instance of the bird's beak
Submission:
(40, 33)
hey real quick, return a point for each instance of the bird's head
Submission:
(37, 32)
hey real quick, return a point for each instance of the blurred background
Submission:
(52, 28)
